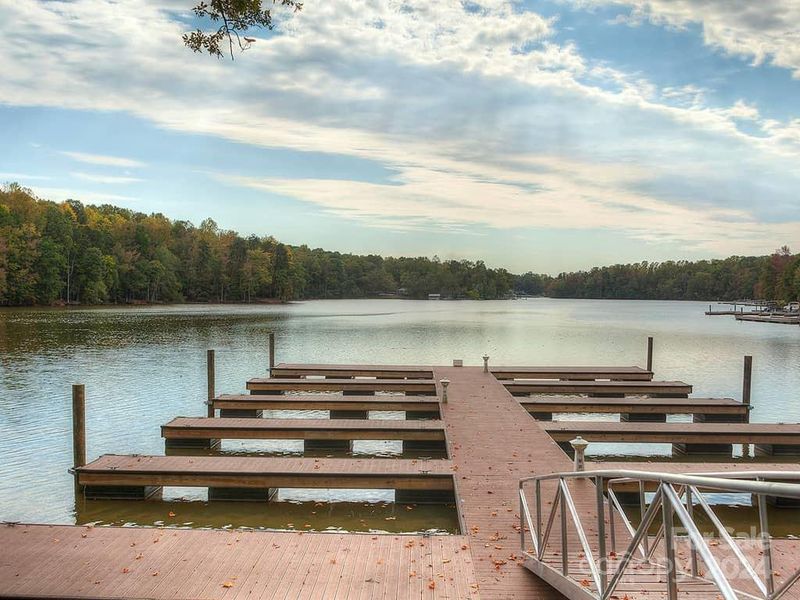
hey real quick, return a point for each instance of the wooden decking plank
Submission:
(320, 401)
(568, 404)
(544, 386)
(197, 563)
(267, 472)
(346, 429)
(289, 370)
(348, 385)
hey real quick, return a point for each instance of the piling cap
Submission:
(579, 443)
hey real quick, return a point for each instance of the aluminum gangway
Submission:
(672, 543)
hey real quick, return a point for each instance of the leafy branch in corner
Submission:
(234, 18)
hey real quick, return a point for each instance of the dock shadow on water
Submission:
(293, 510)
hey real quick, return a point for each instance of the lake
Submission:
(144, 365)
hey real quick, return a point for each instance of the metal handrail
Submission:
(675, 495)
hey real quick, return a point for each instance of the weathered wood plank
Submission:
(384, 402)
(340, 385)
(580, 404)
(101, 562)
(266, 472)
(630, 388)
(306, 429)
(289, 370)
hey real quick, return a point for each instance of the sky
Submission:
(542, 135)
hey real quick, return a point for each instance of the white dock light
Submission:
(445, 383)
(579, 445)
(485, 363)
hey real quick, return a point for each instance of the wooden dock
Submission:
(491, 442)
(783, 319)
(574, 373)
(257, 478)
(317, 433)
(362, 386)
(700, 407)
(617, 388)
(332, 402)
(168, 564)
(288, 370)
(697, 438)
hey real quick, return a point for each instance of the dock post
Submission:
(78, 430)
(747, 379)
(271, 352)
(485, 363)
(445, 383)
(210, 381)
(650, 353)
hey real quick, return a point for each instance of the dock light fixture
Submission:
(485, 363)
(579, 445)
(445, 383)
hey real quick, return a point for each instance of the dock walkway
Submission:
(493, 442)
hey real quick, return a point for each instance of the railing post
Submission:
(650, 353)
(692, 547)
(564, 537)
(211, 376)
(522, 522)
(539, 532)
(766, 546)
(271, 352)
(669, 546)
(601, 534)
(642, 508)
(78, 431)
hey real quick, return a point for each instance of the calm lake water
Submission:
(144, 366)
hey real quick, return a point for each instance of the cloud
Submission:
(61, 194)
(22, 177)
(111, 179)
(101, 159)
(556, 194)
(761, 31)
(483, 117)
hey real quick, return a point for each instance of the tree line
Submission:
(69, 252)
(73, 253)
(775, 278)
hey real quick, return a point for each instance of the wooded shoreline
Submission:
(69, 253)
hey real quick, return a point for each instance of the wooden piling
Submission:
(649, 353)
(271, 352)
(211, 381)
(747, 379)
(78, 431)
